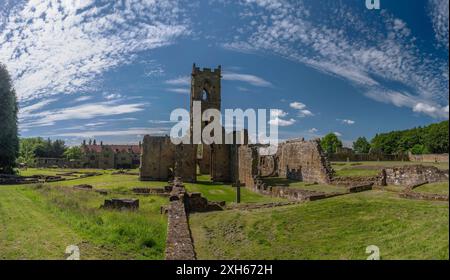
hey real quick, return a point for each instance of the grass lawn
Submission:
(275, 181)
(39, 223)
(335, 228)
(372, 168)
(225, 192)
(438, 188)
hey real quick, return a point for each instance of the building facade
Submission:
(110, 156)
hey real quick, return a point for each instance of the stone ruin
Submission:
(412, 174)
(298, 160)
(179, 244)
(121, 204)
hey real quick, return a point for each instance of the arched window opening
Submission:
(205, 95)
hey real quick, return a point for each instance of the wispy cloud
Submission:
(276, 118)
(83, 98)
(179, 90)
(347, 121)
(53, 47)
(338, 134)
(180, 81)
(100, 133)
(371, 54)
(302, 111)
(85, 111)
(439, 16)
(246, 78)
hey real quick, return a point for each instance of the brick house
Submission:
(110, 156)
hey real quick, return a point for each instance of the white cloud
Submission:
(346, 121)
(297, 105)
(179, 90)
(313, 130)
(281, 122)
(28, 110)
(52, 47)
(180, 81)
(345, 44)
(85, 111)
(247, 78)
(338, 134)
(439, 10)
(99, 133)
(276, 116)
(302, 111)
(83, 98)
(112, 96)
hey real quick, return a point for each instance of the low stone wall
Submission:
(413, 174)
(429, 158)
(165, 191)
(424, 196)
(292, 194)
(121, 204)
(366, 157)
(356, 180)
(360, 188)
(179, 244)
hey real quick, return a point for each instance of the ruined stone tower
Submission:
(206, 88)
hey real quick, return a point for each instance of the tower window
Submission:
(205, 95)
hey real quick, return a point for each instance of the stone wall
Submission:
(305, 160)
(367, 157)
(248, 165)
(413, 174)
(179, 244)
(429, 158)
(161, 160)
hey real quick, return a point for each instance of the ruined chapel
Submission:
(161, 160)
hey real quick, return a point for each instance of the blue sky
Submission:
(114, 70)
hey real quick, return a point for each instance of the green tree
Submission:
(361, 145)
(418, 149)
(330, 143)
(9, 139)
(436, 138)
(73, 153)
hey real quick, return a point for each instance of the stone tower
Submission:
(206, 88)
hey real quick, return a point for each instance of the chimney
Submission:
(84, 142)
(101, 143)
(90, 142)
(95, 143)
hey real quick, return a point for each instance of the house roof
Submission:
(136, 149)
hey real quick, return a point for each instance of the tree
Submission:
(361, 145)
(418, 149)
(436, 138)
(73, 153)
(9, 139)
(330, 143)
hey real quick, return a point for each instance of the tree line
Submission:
(32, 148)
(431, 139)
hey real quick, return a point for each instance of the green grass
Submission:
(225, 192)
(335, 228)
(438, 188)
(38, 223)
(277, 181)
(372, 168)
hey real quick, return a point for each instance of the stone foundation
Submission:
(414, 174)
(121, 204)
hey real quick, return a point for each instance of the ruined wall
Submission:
(248, 165)
(185, 162)
(179, 244)
(204, 162)
(161, 160)
(411, 175)
(221, 163)
(268, 166)
(304, 161)
(429, 158)
(157, 158)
